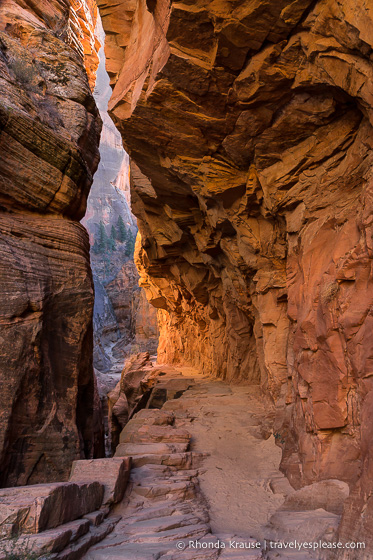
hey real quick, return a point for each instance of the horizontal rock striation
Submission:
(49, 132)
(36, 508)
(250, 128)
(63, 519)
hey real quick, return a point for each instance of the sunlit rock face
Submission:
(49, 132)
(250, 124)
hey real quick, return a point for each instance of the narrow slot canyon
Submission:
(124, 323)
(185, 279)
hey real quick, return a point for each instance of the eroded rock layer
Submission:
(49, 131)
(250, 124)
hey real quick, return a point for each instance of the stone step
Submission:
(112, 473)
(153, 434)
(224, 550)
(183, 490)
(138, 503)
(179, 534)
(158, 472)
(130, 551)
(178, 460)
(153, 417)
(191, 555)
(96, 534)
(162, 509)
(237, 548)
(293, 555)
(240, 555)
(160, 524)
(47, 542)
(133, 449)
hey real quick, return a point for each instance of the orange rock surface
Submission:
(250, 128)
(249, 125)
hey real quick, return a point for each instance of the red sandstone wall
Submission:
(251, 128)
(49, 133)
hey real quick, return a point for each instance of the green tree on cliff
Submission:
(103, 243)
(121, 229)
(111, 245)
(130, 244)
(101, 240)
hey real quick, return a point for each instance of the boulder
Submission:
(303, 525)
(329, 495)
(112, 473)
(32, 509)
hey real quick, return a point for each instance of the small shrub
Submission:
(278, 437)
(26, 73)
(135, 349)
(328, 291)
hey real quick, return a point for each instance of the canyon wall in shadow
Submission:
(49, 134)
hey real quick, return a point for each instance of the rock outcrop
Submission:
(63, 520)
(49, 132)
(250, 128)
(36, 508)
(112, 472)
(131, 393)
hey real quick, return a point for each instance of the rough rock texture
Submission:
(113, 473)
(82, 26)
(47, 390)
(329, 495)
(49, 130)
(62, 520)
(206, 468)
(38, 507)
(146, 325)
(250, 124)
(131, 393)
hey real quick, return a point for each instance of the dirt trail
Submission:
(229, 423)
(205, 470)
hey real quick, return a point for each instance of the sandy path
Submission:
(206, 469)
(229, 423)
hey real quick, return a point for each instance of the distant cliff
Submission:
(120, 307)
